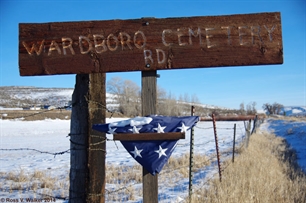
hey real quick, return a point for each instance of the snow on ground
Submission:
(293, 111)
(295, 135)
(51, 136)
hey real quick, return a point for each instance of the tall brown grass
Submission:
(36, 181)
(124, 180)
(263, 172)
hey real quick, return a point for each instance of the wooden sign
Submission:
(149, 44)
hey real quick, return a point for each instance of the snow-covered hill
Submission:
(17, 96)
(20, 96)
(25, 96)
(294, 111)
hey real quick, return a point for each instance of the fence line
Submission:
(109, 192)
(42, 152)
(42, 111)
(125, 187)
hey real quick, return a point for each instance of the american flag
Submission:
(152, 155)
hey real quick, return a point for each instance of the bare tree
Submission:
(161, 101)
(242, 111)
(277, 107)
(186, 98)
(254, 107)
(268, 108)
(274, 108)
(195, 99)
(251, 108)
(127, 95)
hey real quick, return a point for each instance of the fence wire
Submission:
(125, 189)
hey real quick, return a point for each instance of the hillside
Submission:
(294, 111)
(16, 96)
(25, 96)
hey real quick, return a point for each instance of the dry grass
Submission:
(261, 173)
(289, 118)
(36, 181)
(182, 164)
(123, 174)
(124, 180)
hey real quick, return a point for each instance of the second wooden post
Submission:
(149, 106)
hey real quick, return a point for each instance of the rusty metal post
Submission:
(234, 142)
(191, 155)
(217, 147)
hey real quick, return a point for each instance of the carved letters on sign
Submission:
(154, 45)
(100, 44)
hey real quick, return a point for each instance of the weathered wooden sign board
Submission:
(149, 44)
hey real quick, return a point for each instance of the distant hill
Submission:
(294, 111)
(26, 96)
(20, 96)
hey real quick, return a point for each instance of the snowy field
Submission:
(51, 136)
(295, 135)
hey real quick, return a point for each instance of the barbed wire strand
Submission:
(211, 158)
(42, 152)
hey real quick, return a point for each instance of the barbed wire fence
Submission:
(121, 192)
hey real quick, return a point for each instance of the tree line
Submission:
(274, 108)
(127, 97)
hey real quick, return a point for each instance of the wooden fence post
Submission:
(255, 124)
(96, 140)
(248, 133)
(79, 141)
(148, 102)
(87, 170)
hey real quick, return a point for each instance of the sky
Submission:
(225, 87)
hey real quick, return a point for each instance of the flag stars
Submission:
(183, 128)
(161, 151)
(159, 128)
(136, 152)
(135, 129)
(111, 131)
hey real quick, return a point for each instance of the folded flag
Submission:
(152, 155)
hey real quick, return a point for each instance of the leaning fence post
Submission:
(217, 148)
(248, 132)
(254, 125)
(234, 142)
(191, 155)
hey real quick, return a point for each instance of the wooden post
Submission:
(79, 141)
(248, 133)
(255, 124)
(149, 136)
(148, 102)
(97, 140)
(87, 172)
